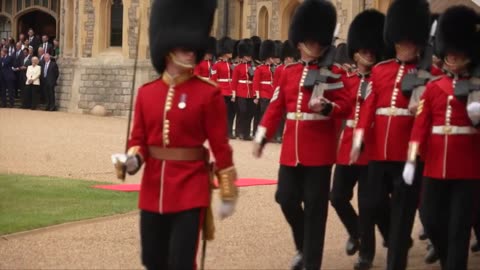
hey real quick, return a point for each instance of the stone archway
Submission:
(41, 22)
(263, 21)
(287, 13)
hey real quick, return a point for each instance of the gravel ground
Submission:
(79, 146)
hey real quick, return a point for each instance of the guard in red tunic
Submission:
(445, 127)
(174, 116)
(365, 48)
(386, 108)
(288, 56)
(222, 75)
(204, 68)
(309, 143)
(263, 77)
(242, 89)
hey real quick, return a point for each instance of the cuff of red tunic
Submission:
(413, 148)
(226, 183)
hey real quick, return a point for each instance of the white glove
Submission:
(130, 162)
(409, 173)
(226, 209)
(473, 110)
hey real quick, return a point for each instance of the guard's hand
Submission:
(413, 108)
(226, 209)
(473, 110)
(409, 173)
(130, 162)
(255, 101)
(232, 99)
(257, 150)
(354, 154)
(316, 104)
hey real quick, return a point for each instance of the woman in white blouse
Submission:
(32, 84)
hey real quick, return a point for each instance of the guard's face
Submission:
(311, 48)
(185, 56)
(365, 57)
(406, 51)
(247, 58)
(456, 62)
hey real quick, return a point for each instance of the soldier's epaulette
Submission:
(214, 84)
(385, 62)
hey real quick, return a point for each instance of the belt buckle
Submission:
(298, 115)
(447, 129)
(392, 111)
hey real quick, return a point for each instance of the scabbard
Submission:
(209, 224)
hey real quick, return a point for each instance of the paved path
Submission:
(79, 146)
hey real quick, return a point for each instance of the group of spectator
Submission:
(29, 71)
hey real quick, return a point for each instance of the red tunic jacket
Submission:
(173, 186)
(386, 108)
(242, 82)
(263, 81)
(222, 75)
(278, 75)
(203, 69)
(352, 82)
(443, 125)
(309, 138)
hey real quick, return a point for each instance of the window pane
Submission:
(5, 27)
(45, 3)
(54, 5)
(28, 3)
(116, 24)
(36, 2)
(9, 6)
(19, 5)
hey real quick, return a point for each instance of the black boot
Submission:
(352, 246)
(297, 262)
(362, 264)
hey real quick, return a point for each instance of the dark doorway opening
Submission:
(42, 23)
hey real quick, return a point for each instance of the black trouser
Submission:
(30, 96)
(230, 113)
(447, 214)
(7, 88)
(246, 110)
(50, 95)
(308, 185)
(385, 182)
(476, 225)
(170, 241)
(344, 180)
(263, 105)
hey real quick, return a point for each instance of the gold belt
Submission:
(393, 111)
(178, 154)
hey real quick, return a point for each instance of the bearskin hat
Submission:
(225, 46)
(407, 20)
(167, 33)
(235, 48)
(366, 32)
(257, 42)
(278, 49)
(313, 20)
(267, 49)
(457, 32)
(245, 48)
(212, 45)
(288, 50)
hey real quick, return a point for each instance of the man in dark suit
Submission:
(33, 40)
(17, 63)
(47, 47)
(49, 77)
(7, 79)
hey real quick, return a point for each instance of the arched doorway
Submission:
(41, 22)
(287, 15)
(263, 23)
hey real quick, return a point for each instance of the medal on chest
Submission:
(182, 104)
